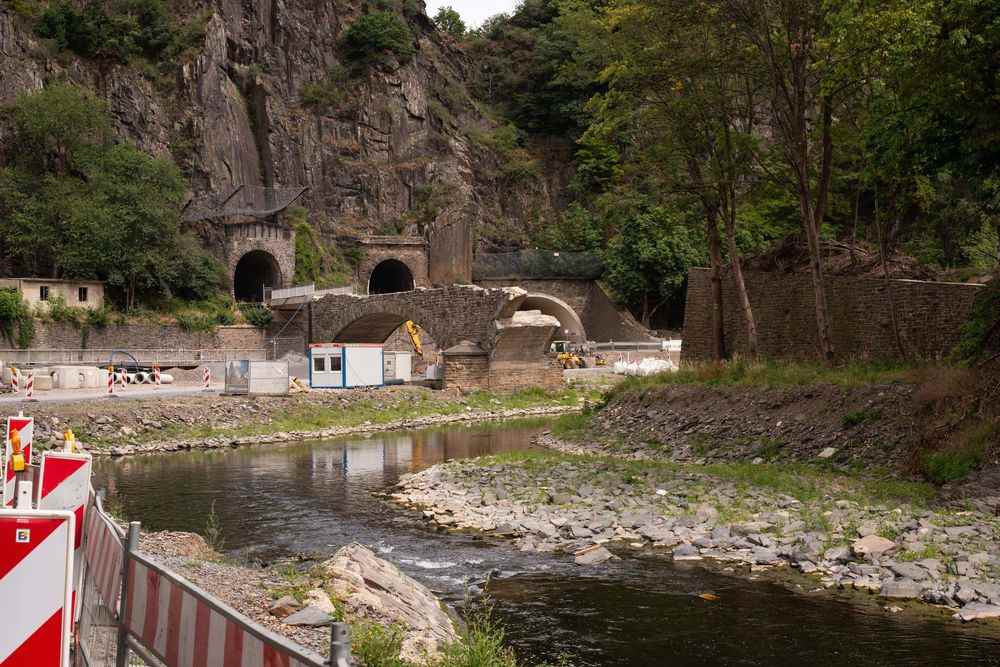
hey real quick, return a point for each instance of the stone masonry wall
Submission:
(930, 315)
(467, 372)
(52, 335)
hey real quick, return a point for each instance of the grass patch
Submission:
(772, 373)
(573, 426)
(378, 645)
(306, 416)
(957, 461)
(858, 417)
(929, 551)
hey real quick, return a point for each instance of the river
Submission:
(310, 498)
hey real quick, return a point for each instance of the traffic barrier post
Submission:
(29, 388)
(207, 377)
(19, 436)
(15, 380)
(156, 376)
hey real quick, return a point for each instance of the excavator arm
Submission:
(414, 332)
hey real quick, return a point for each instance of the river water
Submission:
(311, 498)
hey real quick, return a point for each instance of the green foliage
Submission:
(858, 417)
(450, 21)
(516, 162)
(377, 36)
(482, 643)
(204, 316)
(16, 323)
(256, 314)
(75, 205)
(377, 645)
(316, 262)
(981, 332)
(647, 262)
(957, 461)
(330, 92)
(118, 30)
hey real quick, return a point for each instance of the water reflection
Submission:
(314, 497)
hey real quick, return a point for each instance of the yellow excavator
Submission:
(414, 332)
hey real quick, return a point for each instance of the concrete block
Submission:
(93, 378)
(65, 377)
(43, 381)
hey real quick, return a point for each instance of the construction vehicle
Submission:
(414, 332)
(567, 354)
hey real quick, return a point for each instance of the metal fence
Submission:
(537, 264)
(135, 611)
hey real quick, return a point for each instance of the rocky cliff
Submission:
(402, 146)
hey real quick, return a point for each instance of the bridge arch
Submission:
(254, 271)
(570, 325)
(390, 276)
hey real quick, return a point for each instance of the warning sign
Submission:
(17, 439)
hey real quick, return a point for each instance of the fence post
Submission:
(131, 543)
(340, 645)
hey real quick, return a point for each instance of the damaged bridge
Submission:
(487, 340)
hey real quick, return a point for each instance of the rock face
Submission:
(230, 111)
(375, 589)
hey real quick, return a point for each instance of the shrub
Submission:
(16, 323)
(956, 462)
(376, 35)
(256, 314)
(981, 333)
(330, 92)
(378, 646)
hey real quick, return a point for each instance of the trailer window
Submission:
(335, 364)
(319, 364)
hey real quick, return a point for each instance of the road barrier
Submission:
(135, 611)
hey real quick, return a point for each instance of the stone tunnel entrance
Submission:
(570, 325)
(390, 276)
(256, 270)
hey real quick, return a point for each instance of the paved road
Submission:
(77, 395)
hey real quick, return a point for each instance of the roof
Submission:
(61, 281)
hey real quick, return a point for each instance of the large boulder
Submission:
(377, 590)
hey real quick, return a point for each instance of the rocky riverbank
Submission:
(354, 585)
(879, 536)
(172, 424)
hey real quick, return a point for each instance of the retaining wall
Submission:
(930, 315)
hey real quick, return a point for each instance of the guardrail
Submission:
(136, 611)
(100, 356)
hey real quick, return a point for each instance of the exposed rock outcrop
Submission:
(230, 111)
(375, 589)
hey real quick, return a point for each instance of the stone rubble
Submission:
(949, 558)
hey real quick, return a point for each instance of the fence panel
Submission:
(97, 632)
(183, 626)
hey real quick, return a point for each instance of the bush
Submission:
(377, 35)
(16, 323)
(956, 462)
(256, 314)
(378, 646)
(981, 332)
(328, 93)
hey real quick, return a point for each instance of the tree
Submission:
(789, 38)
(692, 107)
(450, 21)
(73, 204)
(376, 35)
(648, 261)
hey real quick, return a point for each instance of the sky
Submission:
(473, 12)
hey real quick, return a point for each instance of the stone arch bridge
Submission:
(488, 341)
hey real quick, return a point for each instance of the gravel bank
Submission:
(831, 531)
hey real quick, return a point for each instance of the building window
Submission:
(43, 293)
(335, 364)
(81, 295)
(319, 364)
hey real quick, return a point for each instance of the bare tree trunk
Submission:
(753, 349)
(854, 227)
(715, 261)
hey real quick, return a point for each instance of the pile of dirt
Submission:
(699, 423)
(860, 260)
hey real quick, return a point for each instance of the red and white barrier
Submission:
(15, 380)
(123, 377)
(25, 426)
(36, 574)
(156, 377)
(29, 388)
(103, 557)
(111, 382)
(184, 630)
(65, 485)
(207, 377)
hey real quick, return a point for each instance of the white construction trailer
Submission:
(344, 365)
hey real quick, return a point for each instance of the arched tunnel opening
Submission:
(390, 276)
(256, 270)
(570, 325)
